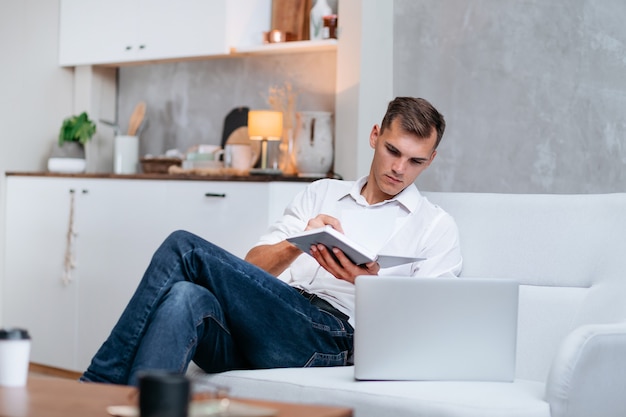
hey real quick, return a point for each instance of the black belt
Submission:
(322, 304)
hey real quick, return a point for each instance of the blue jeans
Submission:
(198, 302)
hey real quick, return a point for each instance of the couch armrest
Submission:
(588, 374)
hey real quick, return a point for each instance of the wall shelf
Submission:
(287, 48)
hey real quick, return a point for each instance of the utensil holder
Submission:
(126, 154)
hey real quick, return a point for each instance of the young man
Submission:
(198, 302)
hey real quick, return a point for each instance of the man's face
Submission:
(399, 158)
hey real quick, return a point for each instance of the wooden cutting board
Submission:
(292, 16)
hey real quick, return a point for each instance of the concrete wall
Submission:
(534, 91)
(188, 101)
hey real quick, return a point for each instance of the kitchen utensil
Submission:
(142, 126)
(115, 126)
(136, 118)
(236, 118)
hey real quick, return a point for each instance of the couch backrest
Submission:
(567, 251)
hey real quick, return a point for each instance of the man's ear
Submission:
(374, 136)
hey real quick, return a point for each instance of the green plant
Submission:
(77, 129)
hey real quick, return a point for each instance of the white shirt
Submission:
(418, 228)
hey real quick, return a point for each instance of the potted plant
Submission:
(68, 154)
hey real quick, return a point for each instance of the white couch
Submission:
(569, 254)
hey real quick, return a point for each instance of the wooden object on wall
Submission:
(292, 16)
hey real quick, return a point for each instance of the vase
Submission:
(313, 145)
(316, 19)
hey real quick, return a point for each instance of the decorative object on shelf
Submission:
(68, 154)
(278, 36)
(283, 99)
(266, 126)
(316, 19)
(313, 144)
(292, 16)
(330, 26)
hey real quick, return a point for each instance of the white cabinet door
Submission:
(183, 28)
(230, 214)
(35, 297)
(119, 31)
(97, 32)
(119, 226)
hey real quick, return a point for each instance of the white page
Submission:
(370, 228)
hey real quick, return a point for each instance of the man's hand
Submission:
(322, 220)
(343, 269)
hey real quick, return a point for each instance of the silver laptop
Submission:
(435, 328)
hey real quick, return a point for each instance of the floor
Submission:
(36, 369)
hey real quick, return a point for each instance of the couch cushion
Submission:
(565, 250)
(337, 387)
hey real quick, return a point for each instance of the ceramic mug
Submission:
(239, 156)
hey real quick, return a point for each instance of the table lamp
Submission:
(265, 125)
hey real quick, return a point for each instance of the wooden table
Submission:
(55, 397)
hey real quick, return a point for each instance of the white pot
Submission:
(67, 159)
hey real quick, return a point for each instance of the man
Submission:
(198, 302)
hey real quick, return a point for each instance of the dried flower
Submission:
(283, 98)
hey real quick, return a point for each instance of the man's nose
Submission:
(399, 166)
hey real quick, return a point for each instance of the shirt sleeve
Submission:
(441, 249)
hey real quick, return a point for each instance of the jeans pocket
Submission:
(326, 359)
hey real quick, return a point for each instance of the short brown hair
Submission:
(417, 116)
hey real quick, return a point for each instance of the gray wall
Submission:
(534, 91)
(188, 101)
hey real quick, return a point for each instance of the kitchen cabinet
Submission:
(117, 224)
(110, 32)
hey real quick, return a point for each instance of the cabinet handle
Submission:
(128, 47)
(142, 46)
(221, 195)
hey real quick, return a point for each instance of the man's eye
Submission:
(417, 161)
(393, 151)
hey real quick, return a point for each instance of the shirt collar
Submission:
(409, 197)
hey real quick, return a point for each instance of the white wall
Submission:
(35, 94)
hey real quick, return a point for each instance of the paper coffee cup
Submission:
(14, 357)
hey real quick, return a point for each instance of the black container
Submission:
(163, 394)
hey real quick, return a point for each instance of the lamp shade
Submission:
(265, 124)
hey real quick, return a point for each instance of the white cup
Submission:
(126, 154)
(14, 357)
(238, 156)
